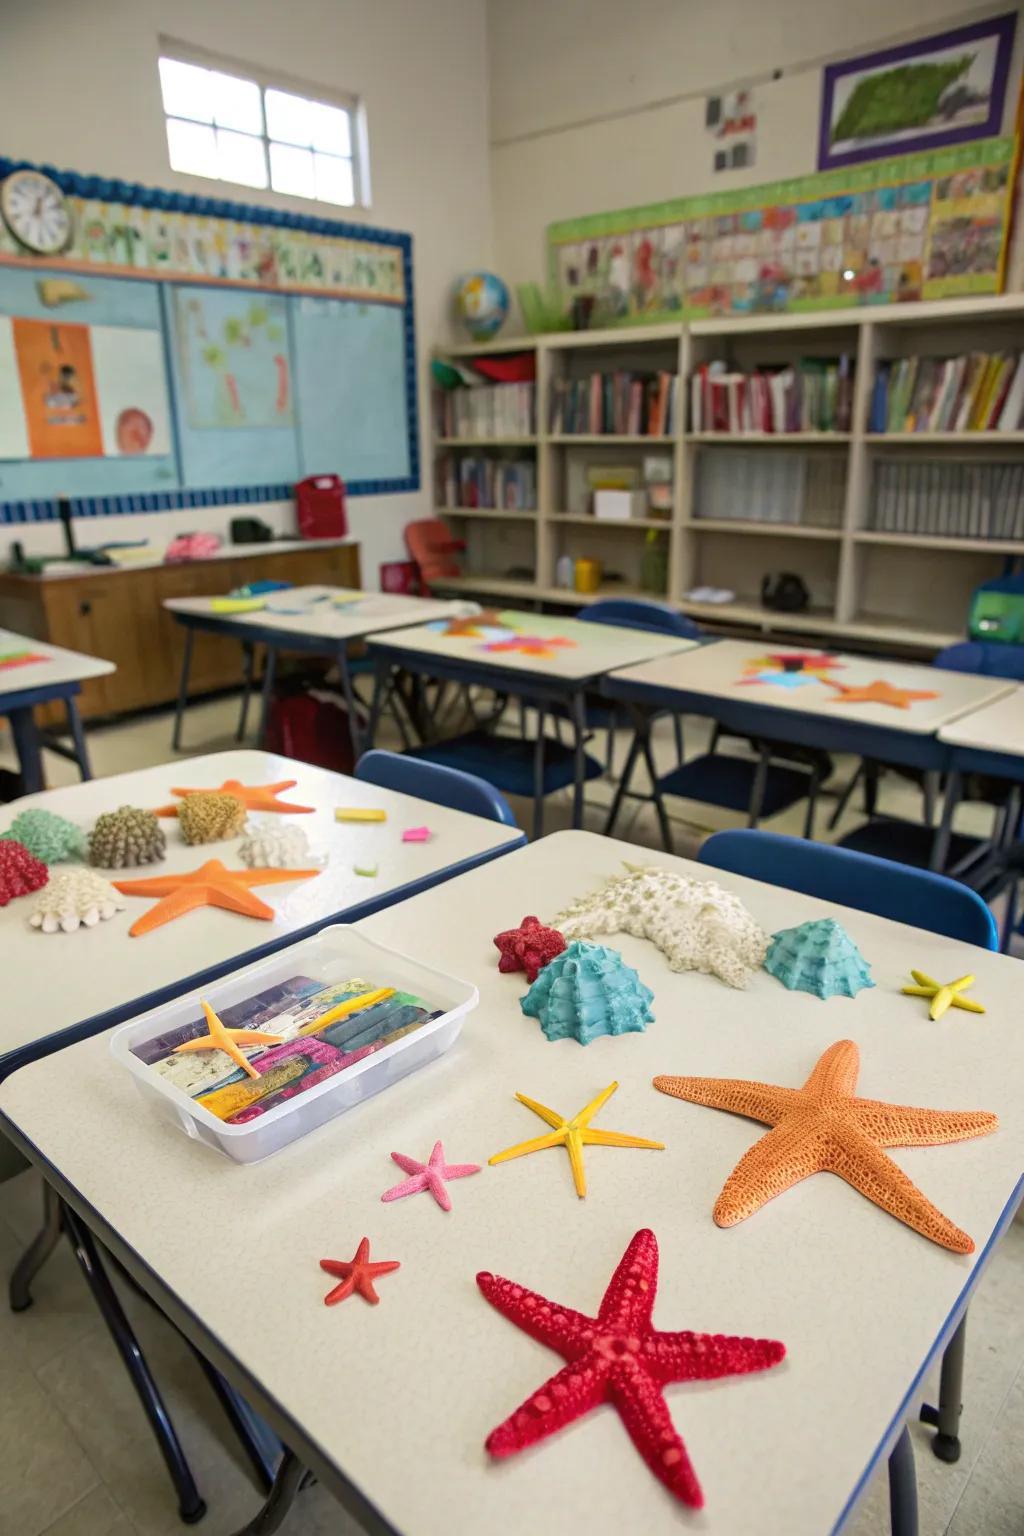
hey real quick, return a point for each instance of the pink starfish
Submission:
(430, 1175)
(618, 1357)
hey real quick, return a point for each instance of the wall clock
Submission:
(36, 212)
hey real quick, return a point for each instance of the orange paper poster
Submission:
(58, 390)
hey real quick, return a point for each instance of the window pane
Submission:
(241, 158)
(236, 103)
(330, 127)
(192, 148)
(289, 117)
(186, 91)
(334, 180)
(291, 170)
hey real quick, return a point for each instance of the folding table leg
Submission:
(28, 747)
(940, 842)
(538, 774)
(903, 1487)
(579, 719)
(255, 1438)
(37, 1253)
(291, 1475)
(624, 782)
(78, 737)
(186, 666)
(248, 666)
(656, 795)
(946, 1417)
(846, 797)
(269, 668)
(757, 788)
(351, 703)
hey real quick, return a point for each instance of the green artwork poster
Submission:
(233, 351)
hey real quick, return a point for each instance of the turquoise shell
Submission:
(587, 991)
(818, 957)
(46, 836)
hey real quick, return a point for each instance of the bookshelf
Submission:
(868, 585)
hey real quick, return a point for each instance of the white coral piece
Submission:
(275, 847)
(696, 924)
(74, 899)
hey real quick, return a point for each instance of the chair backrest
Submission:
(431, 545)
(990, 658)
(638, 613)
(452, 787)
(898, 891)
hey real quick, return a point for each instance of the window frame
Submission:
(185, 53)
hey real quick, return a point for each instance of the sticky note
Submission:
(369, 870)
(416, 835)
(237, 604)
(354, 813)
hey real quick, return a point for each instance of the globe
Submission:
(481, 302)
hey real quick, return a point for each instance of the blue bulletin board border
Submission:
(96, 188)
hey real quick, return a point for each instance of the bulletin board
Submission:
(924, 226)
(187, 351)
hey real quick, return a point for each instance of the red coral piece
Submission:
(529, 947)
(20, 871)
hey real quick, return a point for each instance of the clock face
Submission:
(36, 211)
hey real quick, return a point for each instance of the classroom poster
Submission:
(233, 349)
(128, 366)
(58, 390)
(13, 426)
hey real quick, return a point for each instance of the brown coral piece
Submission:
(126, 837)
(207, 818)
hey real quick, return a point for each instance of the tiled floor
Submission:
(76, 1458)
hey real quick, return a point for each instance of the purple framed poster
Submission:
(939, 90)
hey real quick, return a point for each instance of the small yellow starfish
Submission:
(943, 995)
(221, 1038)
(573, 1135)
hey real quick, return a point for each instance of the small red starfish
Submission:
(618, 1357)
(357, 1274)
(528, 948)
(255, 797)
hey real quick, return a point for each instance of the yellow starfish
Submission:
(221, 1038)
(943, 995)
(574, 1135)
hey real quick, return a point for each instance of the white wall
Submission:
(79, 89)
(599, 104)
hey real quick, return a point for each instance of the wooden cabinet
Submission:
(119, 614)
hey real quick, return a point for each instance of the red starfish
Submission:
(255, 797)
(528, 948)
(357, 1274)
(618, 1357)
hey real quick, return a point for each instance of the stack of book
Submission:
(509, 484)
(620, 404)
(975, 392)
(745, 485)
(814, 396)
(948, 499)
(490, 410)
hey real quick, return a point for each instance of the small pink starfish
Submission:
(430, 1175)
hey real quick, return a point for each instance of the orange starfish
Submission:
(878, 693)
(211, 885)
(221, 1038)
(255, 797)
(824, 1128)
(531, 645)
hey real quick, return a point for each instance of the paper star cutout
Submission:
(211, 885)
(789, 669)
(221, 1038)
(574, 1135)
(944, 995)
(781, 679)
(618, 1357)
(530, 645)
(430, 1175)
(255, 797)
(879, 693)
(528, 948)
(357, 1274)
(473, 625)
(824, 1128)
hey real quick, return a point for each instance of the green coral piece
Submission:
(46, 836)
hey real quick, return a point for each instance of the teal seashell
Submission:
(46, 836)
(587, 991)
(818, 957)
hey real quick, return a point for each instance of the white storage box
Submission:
(336, 954)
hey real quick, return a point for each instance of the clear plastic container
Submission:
(335, 954)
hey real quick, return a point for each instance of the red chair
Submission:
(433, 550)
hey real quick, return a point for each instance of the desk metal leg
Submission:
(656, 795)
(28, 747)
(36, 1254)
(757, 788)
(903, 1487)
(78, 737)
(946, 1417)
(579, 720)
(253, 1435)
(940, 843)
(186, 666)
(351, 703)
(269, 668)
(622, 790)
(248, 667)
(538, 774)
(291, 1475)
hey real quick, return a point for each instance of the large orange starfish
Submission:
(824, 1128)
(878, 693)
(211, 885)
(221, 1038)
(255, 797)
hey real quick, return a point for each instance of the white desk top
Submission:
(593, 650)
(859, 1299)
(996, 727)
(59, 667)
(106, 968)
(718, 670)
(311, 611)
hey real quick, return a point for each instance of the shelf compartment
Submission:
(771, 439)
(586, 519)
(609, 439)
(751, 525)
(494, 514)
(936, 541)
(485, 442)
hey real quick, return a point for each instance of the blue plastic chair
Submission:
(436, 782)
(858, 880)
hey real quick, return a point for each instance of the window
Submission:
(231, 125)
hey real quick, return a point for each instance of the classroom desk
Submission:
(989, 740)
(862, 1303)
(112, 976)
(318, 620)
(553, 672)
(59, 676)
